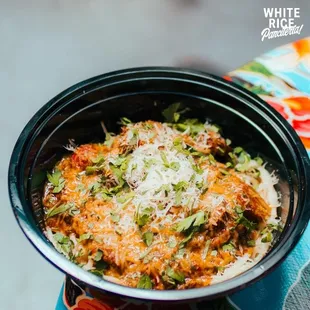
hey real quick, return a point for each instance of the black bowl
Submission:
(141, 94)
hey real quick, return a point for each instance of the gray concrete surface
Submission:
(48, 45)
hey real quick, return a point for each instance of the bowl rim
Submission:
(263, 267)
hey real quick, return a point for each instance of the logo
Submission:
(281, 22)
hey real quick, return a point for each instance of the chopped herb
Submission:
(125, 198)
(118, 173)
(243, 162)
(161, 206)
(98, 160)
(172, 243)
(98, 256)
(220, 268)
(149, 162)
(115, 217)
(86, 236)
(145, 283)
(223, 171)
(222, 151)
(133, 167)
(214, 253)
(109, 139)
(101, 267)
(199, 185)
(267, 237)
(121, 162)
(171, 115)
(175, 166)
(74, 211)
(90, 170)
(228, 142)
(143, 216)
(211, 159)
(238, 150)
(246, 223)
(59, 237)
(57, 181)
(54, 178)
(194, 126)
(188, 238)
(251, 243)
(182, 185)
(118, 232)
(125, 121)
(228, 164)
(135, 137)
(215, 128)
(178, 198)
(197, 169)
(98, 165)
(148, 126)
(180, 253)
(80, 188)
(175, 275)
(276, 227)
(178, 145)
(259, 160)
(94, 188)
(228, 247)
(59, 209)
(164, 159)
(145, 253)
(206, 249)
(193, 220)
(64, 244)
(165, 188)
(239, 210)
(147, 237)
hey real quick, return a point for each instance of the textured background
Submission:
(48, 45)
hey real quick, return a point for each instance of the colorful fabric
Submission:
(282, 78)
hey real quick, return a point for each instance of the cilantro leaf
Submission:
(194, 125)
(64, 244)
(109, 139)
(98, 256)
(193, 220)
(175, 275)
(174, 166)
(59, 188)
(59, 210)
(186, 239)
(145, 282)
(98, 165)
(206, 249)
(56, 180)
(147, 237)
(228, 247)
(115, 217)
(143, 216)
(172, 243)
(125, 121)
(54, 177)
(171, 114)
(164, 159)
(101, 267)
(85, 236)
(74, 211)
(251, 243)
(267, 237)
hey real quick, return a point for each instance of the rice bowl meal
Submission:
(162, 205)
